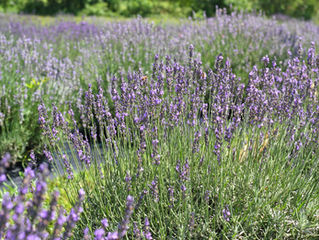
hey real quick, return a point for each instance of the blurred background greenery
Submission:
(305, 9)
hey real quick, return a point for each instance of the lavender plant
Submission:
(230, 155)
(24, 217)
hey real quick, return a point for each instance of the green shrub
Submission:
(138, 7)
(295, 8)
(246, 5)
(98, 9)
(306, 9)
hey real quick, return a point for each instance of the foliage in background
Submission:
(306, 9)
(296, 8)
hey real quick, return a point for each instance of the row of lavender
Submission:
(51, 63)
(199, 151)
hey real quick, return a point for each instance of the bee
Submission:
(312, 86)
(203, 75)
(144, 78)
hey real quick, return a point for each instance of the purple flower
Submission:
(99, 234)
(128, 180)
(154, 189)
(33, 237)
(123, 227)
(105, 223)
(32, 155)
(6, 160)
(28, 172)
(226, 213)
(44, 214)
(171, 196)
(112, 236)
(19, 208)
(86, 234)
(147, 233)
(136, 231)
(81, 194)
(3, 178)
(61, 220)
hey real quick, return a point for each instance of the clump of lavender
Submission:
(155, 155)
(226, 213)
(191, 224)
(154, 189)
(147, 234)
(196, 142)
(128, 212)
(128, 180)
(74, 215)
(141, 151)
(101, 233)
(171, 196)
(136, 231)
(4, 163)
(25, 218)
(183, 172)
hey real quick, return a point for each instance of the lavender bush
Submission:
(202, 152)
(23, 215)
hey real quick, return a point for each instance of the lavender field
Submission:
(189, 129)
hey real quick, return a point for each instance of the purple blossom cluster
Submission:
(24, 216)
(103, 234)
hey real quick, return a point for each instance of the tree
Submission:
(295, 8)
(5, 4)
